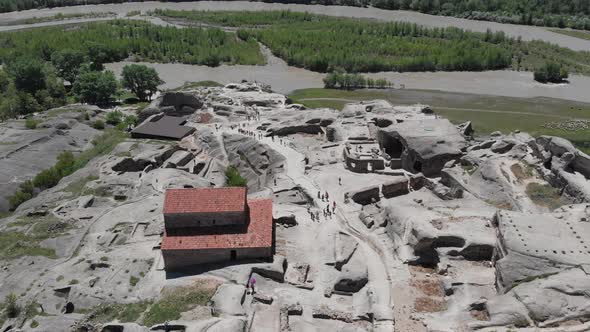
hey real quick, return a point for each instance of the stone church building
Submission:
(207, 225)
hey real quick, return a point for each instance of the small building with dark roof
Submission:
(162, 127)
(207, 225)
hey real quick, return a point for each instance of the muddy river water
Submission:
(284, 79)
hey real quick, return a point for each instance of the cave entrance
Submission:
(393, 146)
(418, 166)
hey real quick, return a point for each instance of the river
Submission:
(526, 32)
(285, 79)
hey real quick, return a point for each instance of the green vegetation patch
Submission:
(133, 13)
(125, 313)
(77, 187)
(59, 111)
(66, 165)
(24, 236)
(326, 43)
(470, 169)
(143, 40)
(240, 19)
(557, 13)
(172, 303)
(545, 195)
(133, 280)
(233, 178)
(176, 301)
(60, 17)
(18, 244)
(573, 33)
(31, 123)
(329, 44)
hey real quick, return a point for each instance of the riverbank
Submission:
(285, 79)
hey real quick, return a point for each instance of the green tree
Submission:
(68, 63)
(13, 309)
(114, 118)
(5, 81)
(27, 104)
(233, 178)
(551, 72)
(28, 74)
(143, 81)
(99, 54)
(95, 87)
(24, 193)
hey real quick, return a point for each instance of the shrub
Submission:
(174, 302)
(66, 165)
(545, 195)
(25, 192)
(131, 120)
(336, 80)
(114, 118)
(133, 280)
(13, 309)
(233, 178)
(31, 123)
(98, 124)
(551, 72)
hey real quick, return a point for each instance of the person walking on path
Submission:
(252, 283)
(339, 181)
(327, 196)
(334, 207)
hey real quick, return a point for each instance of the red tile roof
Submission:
(256, 234)
(231, 199)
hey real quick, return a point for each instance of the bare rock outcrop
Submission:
(353, 275)
(228, 299)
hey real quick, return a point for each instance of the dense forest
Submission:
(37, 61)
(372, 47)
(325, 43)
(142, 40)
(554, 13)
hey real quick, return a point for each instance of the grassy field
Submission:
(487, 113)
(573, 33)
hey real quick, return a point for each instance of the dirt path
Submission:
(378, 262)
